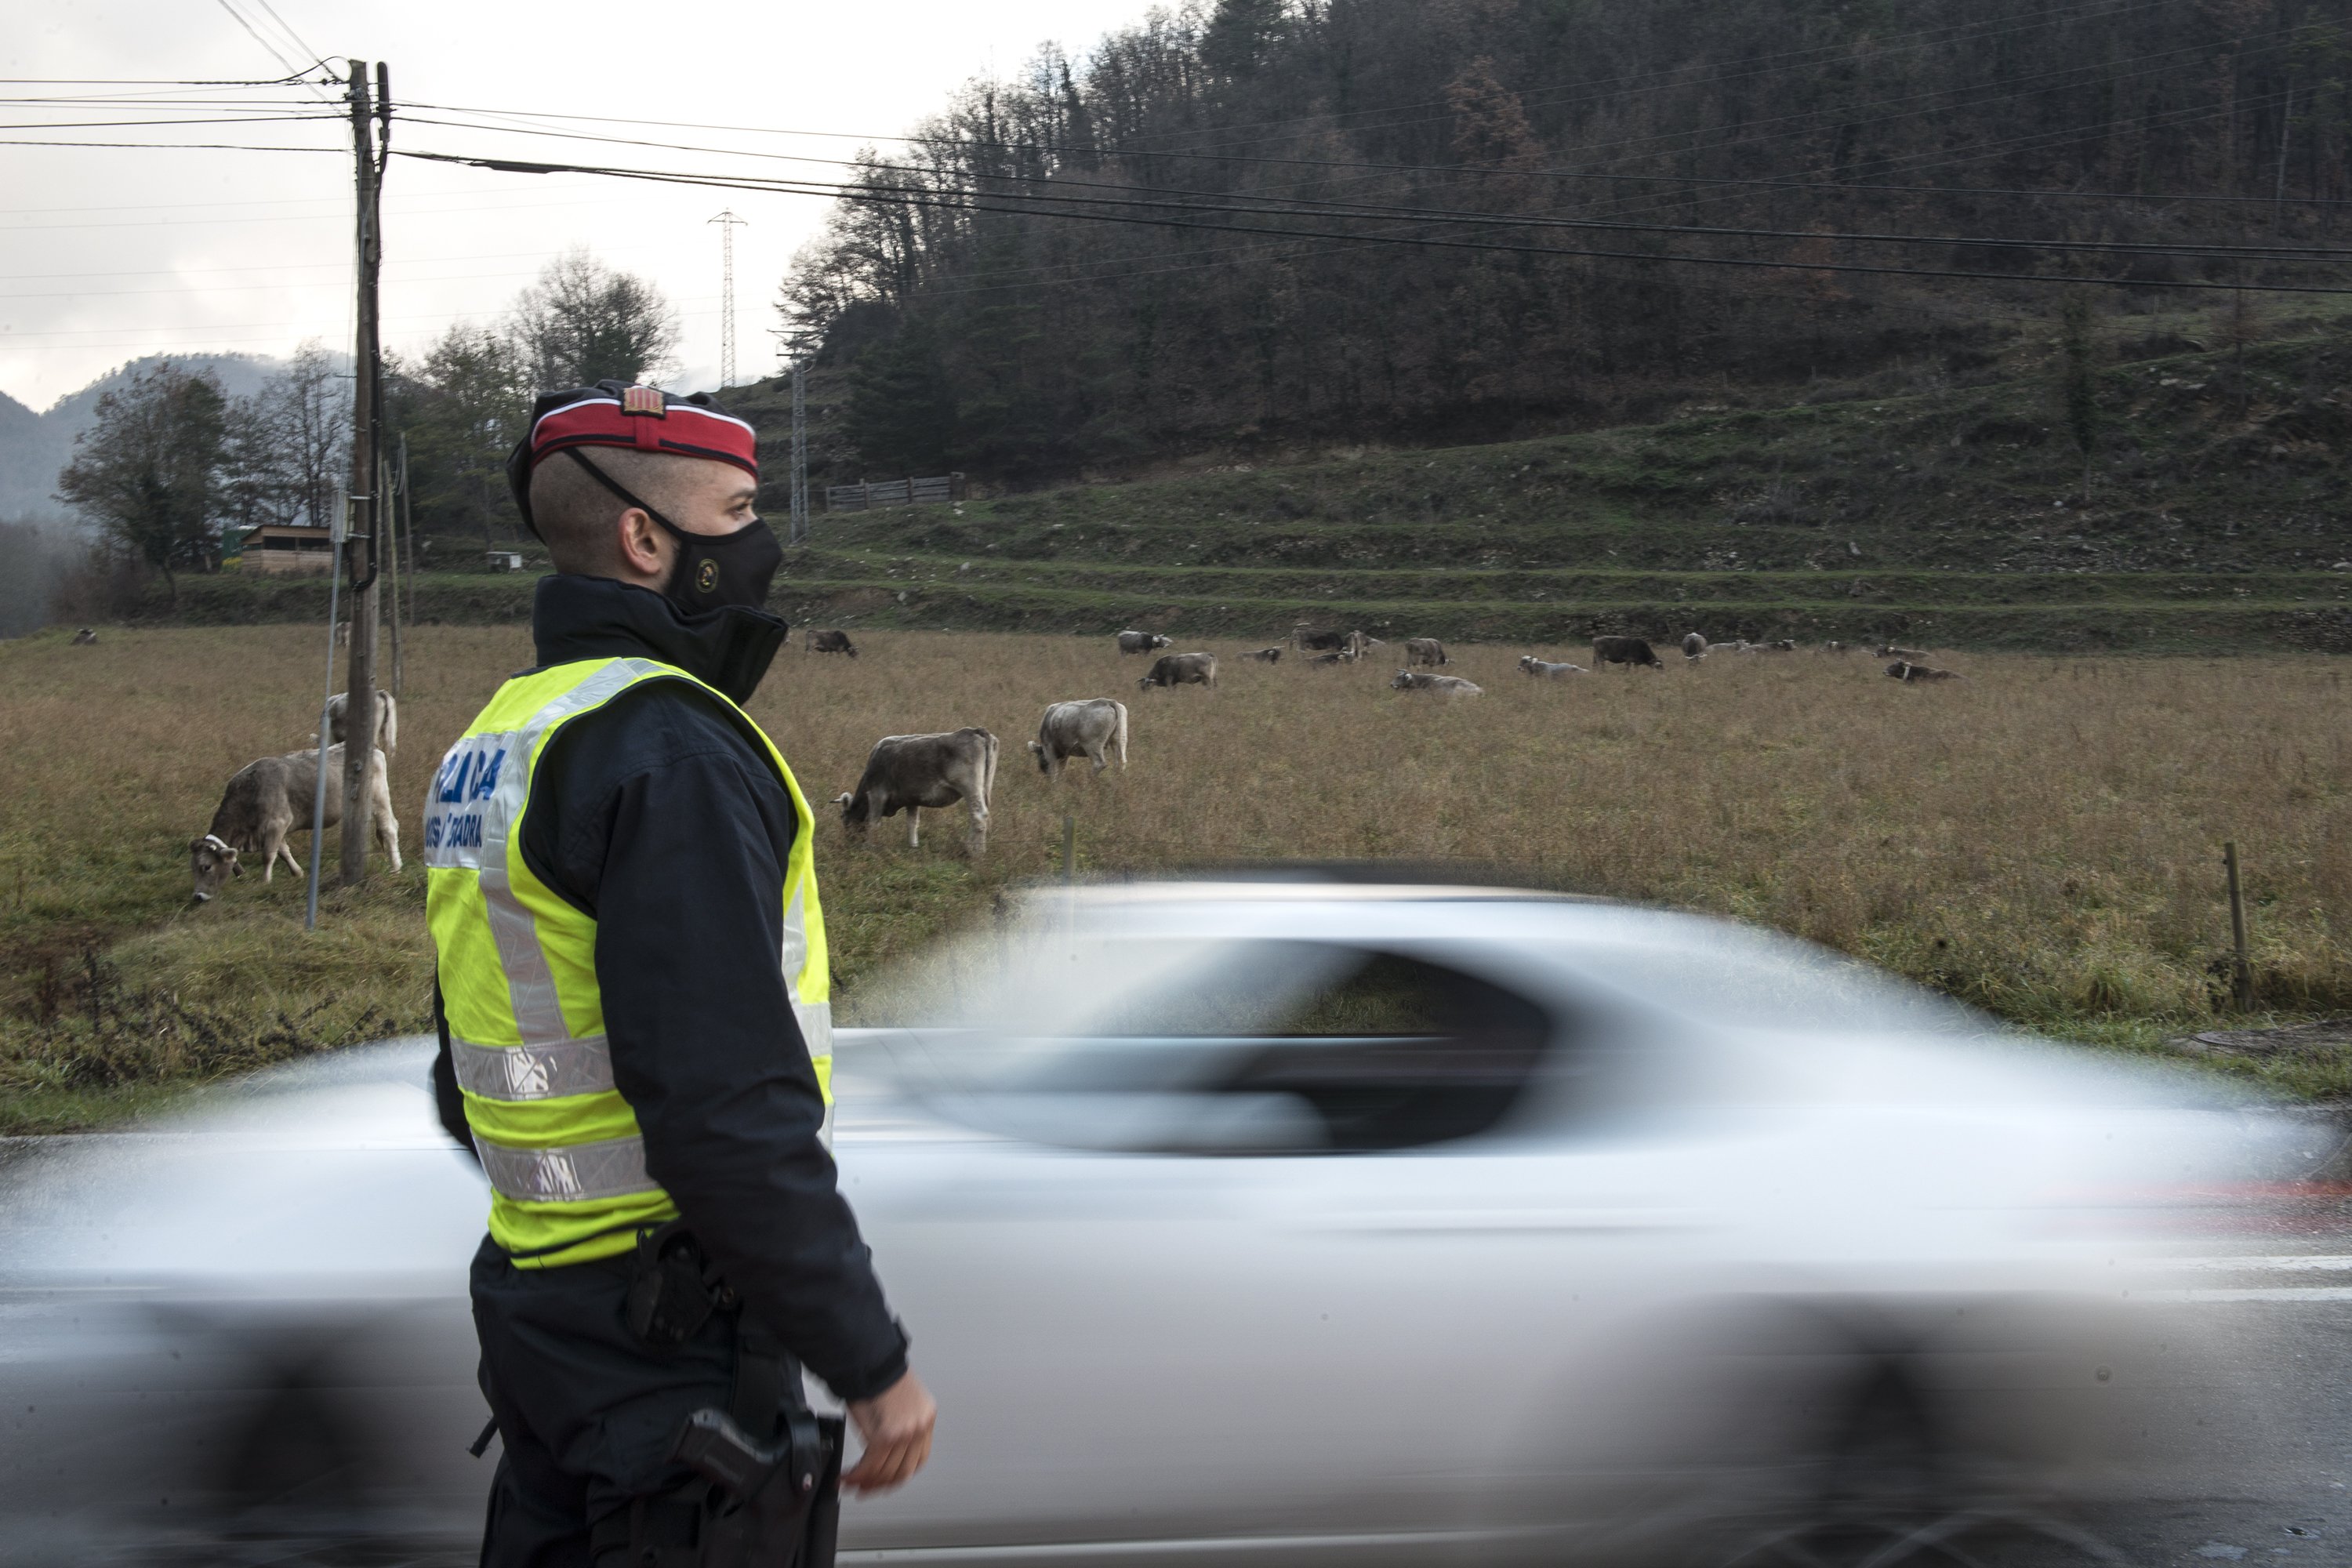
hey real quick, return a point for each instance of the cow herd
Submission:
(267, 799)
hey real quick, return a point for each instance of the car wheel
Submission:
(1883, 1492)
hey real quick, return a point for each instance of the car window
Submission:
(1257, 1047)
(1765, 983)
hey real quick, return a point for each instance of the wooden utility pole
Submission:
(361, 552)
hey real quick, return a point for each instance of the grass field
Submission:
(2042, 839)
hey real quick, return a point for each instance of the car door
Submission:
(1211, 1280)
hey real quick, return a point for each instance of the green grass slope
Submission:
(2215, 517)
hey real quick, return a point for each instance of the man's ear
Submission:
(640, 541)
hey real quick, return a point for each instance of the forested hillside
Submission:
(991, 318)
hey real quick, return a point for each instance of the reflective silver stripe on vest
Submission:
(534, 1072)
(539, 1015)
(580, 1172)
(815, 1019)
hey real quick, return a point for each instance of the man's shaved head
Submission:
(576, 516)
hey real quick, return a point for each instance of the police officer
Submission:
(632, 991)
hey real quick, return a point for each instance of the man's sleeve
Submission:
(690, 938)
(447, 1099)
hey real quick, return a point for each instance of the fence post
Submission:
(2242, 972)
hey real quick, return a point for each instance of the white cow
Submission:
(387, 719)
(1437, 685)
(1530, 664)
(1088, 728)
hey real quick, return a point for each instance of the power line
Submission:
(293, 79)
(1198, 200)
(151, 124)
(254, 33)
(959, 202)
(169, 146)
(1061, 150)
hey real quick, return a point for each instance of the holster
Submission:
(766, 1492)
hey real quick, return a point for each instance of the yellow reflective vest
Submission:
(517, 971)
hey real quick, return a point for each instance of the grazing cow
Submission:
(1084, 728)
(1181, 670)
(1140, 642)
(1903, 670)
(1530, 664)
(1626, 651)
(387, 719)
(829, 642)
(84, 637)
(907, 773)
(1889, 651)
(1305, 641)
(1694, 646)
(1424, 650)
(266, 799)
(1439, 685)
(1267, 655)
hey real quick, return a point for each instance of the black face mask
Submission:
(713, 570)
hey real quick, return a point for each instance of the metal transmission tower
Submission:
(728, 222)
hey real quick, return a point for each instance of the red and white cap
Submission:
(644, 418)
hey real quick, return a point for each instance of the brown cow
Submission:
(1305, 641)
(907, 773)
(1903, 670)
(1181, 670)
(1424, 650)
(830, 642)
(1609, 650)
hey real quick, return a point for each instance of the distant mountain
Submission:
(33, 447)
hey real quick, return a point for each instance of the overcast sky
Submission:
(109, 254)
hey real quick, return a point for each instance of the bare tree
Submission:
(289, 445)
(148, 473)
(584, 322)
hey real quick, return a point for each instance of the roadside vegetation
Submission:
(2042, 839)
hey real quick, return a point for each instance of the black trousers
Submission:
(586, 1411)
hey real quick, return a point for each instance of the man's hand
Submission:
(897, 1426)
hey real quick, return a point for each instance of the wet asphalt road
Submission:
(2269, 1482)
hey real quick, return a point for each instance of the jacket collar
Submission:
(575, 617)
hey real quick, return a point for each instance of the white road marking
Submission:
(2282, 1293)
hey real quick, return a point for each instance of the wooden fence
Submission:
(943, 488)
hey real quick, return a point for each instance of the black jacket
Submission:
(661, 818)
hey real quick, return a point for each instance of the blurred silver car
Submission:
(1261, 1220)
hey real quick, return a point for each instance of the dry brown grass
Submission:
(2043, 838)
